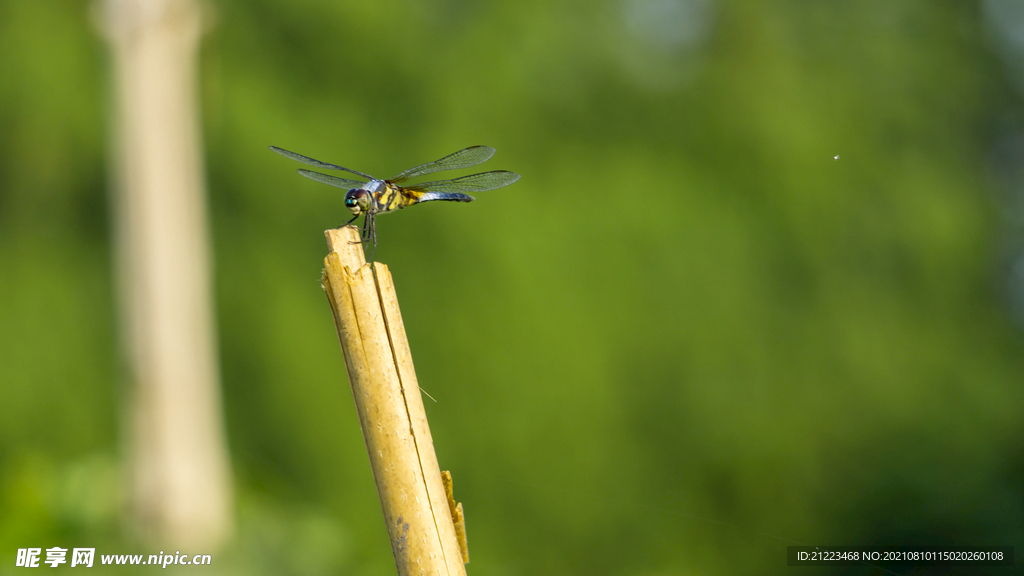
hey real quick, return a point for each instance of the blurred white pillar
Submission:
(178, 466)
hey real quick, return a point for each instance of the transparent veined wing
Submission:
(472, 183)
(317, 163)
(464, 158)
(332, 180)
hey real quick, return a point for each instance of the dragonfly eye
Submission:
(357, 200)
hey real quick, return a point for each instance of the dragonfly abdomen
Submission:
(450, 196)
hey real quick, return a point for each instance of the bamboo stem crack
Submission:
(405, 399)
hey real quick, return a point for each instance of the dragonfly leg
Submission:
(367, 226)
(349, 222)
(368, 234)
(373, 238)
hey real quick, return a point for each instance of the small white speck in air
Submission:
(836, 157)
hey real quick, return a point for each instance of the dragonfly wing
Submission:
(465, 158)
(317, 163)
(332, 180)
(472, 183)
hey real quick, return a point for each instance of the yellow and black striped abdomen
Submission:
(392, 197)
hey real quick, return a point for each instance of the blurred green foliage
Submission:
(687, 338)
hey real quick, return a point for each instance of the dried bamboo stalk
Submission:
(387, 397)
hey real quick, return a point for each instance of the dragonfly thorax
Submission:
(357, 201)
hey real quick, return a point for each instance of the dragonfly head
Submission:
(357, 201)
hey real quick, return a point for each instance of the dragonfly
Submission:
(376, 196)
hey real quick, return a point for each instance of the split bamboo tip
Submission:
(346, 244)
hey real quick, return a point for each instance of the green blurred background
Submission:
(687, 338)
